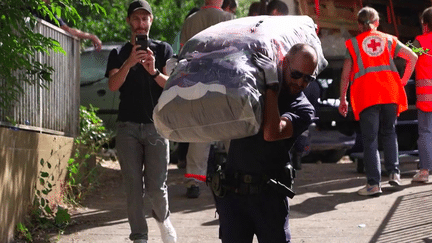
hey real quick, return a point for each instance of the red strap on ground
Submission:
(198, 177)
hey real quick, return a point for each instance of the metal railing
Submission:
(54, 110)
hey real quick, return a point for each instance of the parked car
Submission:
(94, 89)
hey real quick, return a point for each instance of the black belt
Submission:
(245, 184)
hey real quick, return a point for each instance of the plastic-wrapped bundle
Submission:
(215, 91)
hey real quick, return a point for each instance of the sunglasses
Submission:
(298, 75)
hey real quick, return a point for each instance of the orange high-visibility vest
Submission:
(375, 79)
(423, 72)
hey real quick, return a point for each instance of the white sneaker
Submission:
(369, 190)
(167, 230)
(421, 176)
(140, 241)
(394, 179)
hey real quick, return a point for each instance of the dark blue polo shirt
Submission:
(254, 155)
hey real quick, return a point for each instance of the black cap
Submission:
(139, 4)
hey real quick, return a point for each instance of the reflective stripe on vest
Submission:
(362, 70)
(424, 83)
(424, 97)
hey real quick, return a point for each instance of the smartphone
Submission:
(141, 40)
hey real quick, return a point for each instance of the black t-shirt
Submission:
(140, 92)
(253, 155)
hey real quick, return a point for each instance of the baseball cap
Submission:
(139, 4)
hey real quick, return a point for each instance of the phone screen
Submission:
(141, 40)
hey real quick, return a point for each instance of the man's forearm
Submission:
(118, 77)
(274, 126)
(345, 78)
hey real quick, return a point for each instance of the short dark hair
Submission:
(367, 16)
(277, 5)
(229, 3)
(426, 17)
(254, 9)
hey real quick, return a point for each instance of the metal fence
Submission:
(54, 110)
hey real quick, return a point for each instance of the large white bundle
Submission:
(215, 92)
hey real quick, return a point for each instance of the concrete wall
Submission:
(20, 156)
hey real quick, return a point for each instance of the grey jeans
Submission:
(144, 156)
(379, 118)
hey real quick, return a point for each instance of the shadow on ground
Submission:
(330, 184)
(408, 220)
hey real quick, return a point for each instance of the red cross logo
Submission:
(373, 46)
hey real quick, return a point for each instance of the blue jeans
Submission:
(379, 118)
(424, 141)
(143, 156)
(265, 215)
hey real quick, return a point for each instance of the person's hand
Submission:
(136, 56)
(148, 61)
(171, 64)
(268, 66)
(343, 107)
(96, 43)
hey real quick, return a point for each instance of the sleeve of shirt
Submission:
(60, 20)
(113, 62)
(347, 54)
(167, 54)
(183, 34)
(301, 114)
(398, 47)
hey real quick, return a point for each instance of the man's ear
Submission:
(128, 20)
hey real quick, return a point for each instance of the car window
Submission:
(93, 65)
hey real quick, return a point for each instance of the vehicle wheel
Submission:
(174, 147)
(333, 156)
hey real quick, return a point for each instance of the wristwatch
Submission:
(156, 74)
(274, 87)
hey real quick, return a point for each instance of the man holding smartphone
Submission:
(138, 71)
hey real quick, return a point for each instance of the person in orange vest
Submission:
(377, 95)
(423, 76)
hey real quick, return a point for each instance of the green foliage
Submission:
(79, 181)
(243, 7)
(92, 132)
(22, 229)
(81, 178)
(42, 217)
(168, 19)
(20, 46)
(169, 16)
(418, 50)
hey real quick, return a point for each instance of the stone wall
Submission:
(21, 153)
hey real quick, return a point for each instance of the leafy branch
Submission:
(418, 50)
(21, 45)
